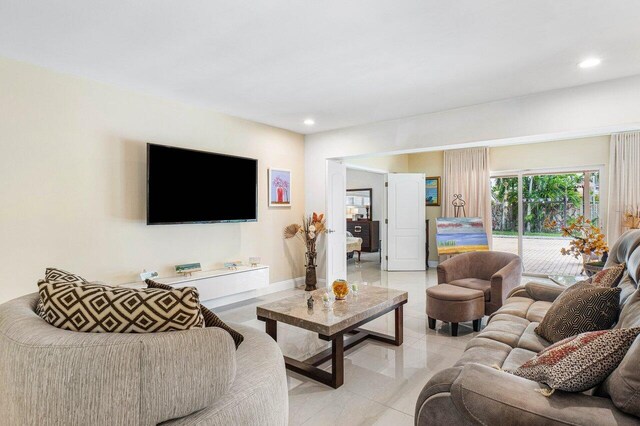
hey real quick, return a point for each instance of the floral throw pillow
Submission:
(579, 362)
(609, 277)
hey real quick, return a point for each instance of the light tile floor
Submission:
(382, 382)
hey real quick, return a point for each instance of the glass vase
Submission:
(340, 289)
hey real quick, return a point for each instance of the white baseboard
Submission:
(271, 288)
(280, 286)
(433, 264)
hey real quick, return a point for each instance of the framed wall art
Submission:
(279, 188)
(432, 192)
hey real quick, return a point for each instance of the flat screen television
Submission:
(188, 186)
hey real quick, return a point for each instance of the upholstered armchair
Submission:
(193, 377)
(493, 272)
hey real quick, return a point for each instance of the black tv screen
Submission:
(188, 186)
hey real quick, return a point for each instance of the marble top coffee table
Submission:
(345, 317)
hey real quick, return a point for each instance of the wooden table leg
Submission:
(337, 361)
(399, 325)
(335, 378)
(271, 327)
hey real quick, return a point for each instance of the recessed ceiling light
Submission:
(590, 63)
(309, 122)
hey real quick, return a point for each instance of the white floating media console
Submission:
(221, 283)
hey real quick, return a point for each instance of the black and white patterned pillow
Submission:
(96, 308)
(210, 319)
(57, 276)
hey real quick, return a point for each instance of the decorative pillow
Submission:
(56, 276)
(579, 309)
(100, 309)
(210, 319)
(609, 277)
(579, 362)
(623, 384)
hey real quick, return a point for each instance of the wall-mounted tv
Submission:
(188, 186)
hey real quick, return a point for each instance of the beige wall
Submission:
(72, 167)
(391, 163)
(431, 164)
(565, 153)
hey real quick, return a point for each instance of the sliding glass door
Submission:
(504, 213)
(530, 208)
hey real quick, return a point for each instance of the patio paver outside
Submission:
(541, 255)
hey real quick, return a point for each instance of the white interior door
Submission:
(406, 229)
(336, 221)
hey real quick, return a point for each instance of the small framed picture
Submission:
(279, 188)
(432, 191)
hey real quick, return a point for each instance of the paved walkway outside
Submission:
(541, 255)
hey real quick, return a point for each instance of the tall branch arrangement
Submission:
(312, 227)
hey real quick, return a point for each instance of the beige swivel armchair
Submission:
(492, 272)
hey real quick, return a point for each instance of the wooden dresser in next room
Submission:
(368, 230)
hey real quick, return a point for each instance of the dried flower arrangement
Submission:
(312, 227)
(631, 218)
(588, 241)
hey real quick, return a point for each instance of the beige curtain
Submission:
(466, 172)
(624, 181)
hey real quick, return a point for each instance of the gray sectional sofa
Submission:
(56, 377)
(473, 392)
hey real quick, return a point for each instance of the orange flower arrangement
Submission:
(587, 240)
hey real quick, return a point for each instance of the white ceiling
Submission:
(341, 62)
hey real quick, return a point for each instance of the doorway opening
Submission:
(529, 208)
(364, 216)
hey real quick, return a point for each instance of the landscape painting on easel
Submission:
(455, 235)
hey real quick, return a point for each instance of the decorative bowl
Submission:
(340, 289)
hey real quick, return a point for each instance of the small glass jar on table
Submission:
(354, 289)
(340, 289)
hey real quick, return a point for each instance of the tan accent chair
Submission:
(494, 273)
